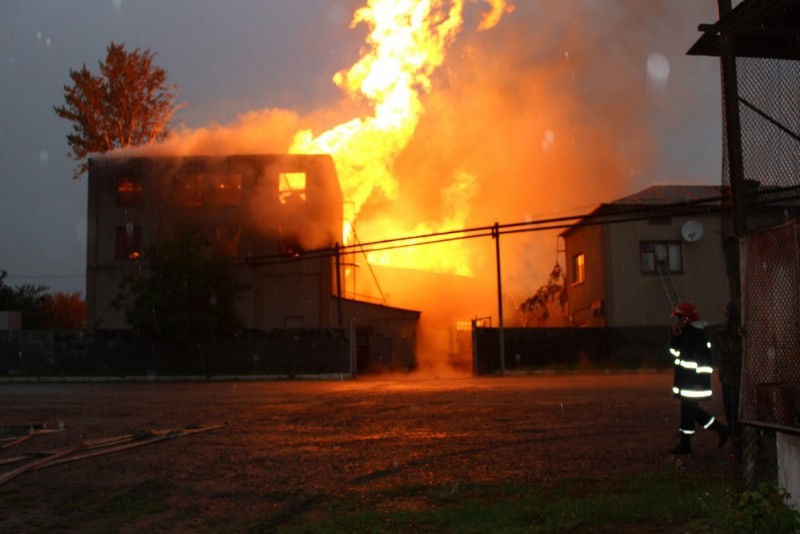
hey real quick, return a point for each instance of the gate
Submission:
(770, 386)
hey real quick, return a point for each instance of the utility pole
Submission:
(738, 199)
(496, 236)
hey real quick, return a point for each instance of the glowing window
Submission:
(129, 192)
(228, 190)
(578, 268)
(463, 326)
(187, 190)
(129, 242)
(292, 188)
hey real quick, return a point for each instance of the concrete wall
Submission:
(789, 466)
(637, 299)
(589, 241)
(115, 353)
(10, 320)
(570, 349)
(627, 297)
(386, 336)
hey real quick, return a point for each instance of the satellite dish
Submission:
(692, 231)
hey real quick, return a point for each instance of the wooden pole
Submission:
(496, 235)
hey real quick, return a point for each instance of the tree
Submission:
(128, 103)
(26, 299)
(554, 291)
(187, 300)
(40, 309)
(62, 311)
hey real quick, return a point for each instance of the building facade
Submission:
(278, 218)
(249, 208)
(630, 260)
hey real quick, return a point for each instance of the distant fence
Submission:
(288, 352)
(572, 349)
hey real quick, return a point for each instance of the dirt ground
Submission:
(287, 445)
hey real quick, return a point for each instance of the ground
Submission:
(287, 445)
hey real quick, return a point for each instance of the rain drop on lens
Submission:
(658, 67)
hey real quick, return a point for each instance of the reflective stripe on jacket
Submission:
(692, 358)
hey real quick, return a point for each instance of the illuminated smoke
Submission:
(542, 114)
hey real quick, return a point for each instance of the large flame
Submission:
(407, 42)
(517, 123)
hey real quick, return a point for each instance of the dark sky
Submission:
(230, 58)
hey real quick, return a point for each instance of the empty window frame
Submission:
(227, 240)
(187, 190)
(292, 188)
(128, 242)
(289, 244)
(666, 254)
(129, 192)
(578, 269)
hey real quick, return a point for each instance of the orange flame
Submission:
(407, 42)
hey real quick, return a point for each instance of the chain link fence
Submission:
(771, 336)
(769, 111)
(761, 239)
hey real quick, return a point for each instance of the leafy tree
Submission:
(42, 310)
(128, 103)
(6, 292)
(26, 299)
(187, 300)
(554, 291)
(62, 311)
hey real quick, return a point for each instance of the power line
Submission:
(615, 215)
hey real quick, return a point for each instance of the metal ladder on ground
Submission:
(666, 282)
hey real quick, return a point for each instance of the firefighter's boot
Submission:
(722, 431)
(684, 447)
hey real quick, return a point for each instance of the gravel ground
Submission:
(288, 445)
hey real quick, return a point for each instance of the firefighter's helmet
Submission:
(685, 313)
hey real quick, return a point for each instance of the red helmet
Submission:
(686, 313)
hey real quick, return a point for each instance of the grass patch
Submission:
(125, 507)
(663, 502)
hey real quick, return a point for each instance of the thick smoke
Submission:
(548, 114)
(263, 131)
(551, 113)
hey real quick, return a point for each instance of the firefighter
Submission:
(692, 352)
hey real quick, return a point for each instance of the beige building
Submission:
(630, 260)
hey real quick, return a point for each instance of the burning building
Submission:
(266, 213)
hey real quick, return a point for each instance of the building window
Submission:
(292, 188)
(289, 244)
(578, 268)
(656, 254)
(228, 190)
(129, 192)
(129, 242)
(227, 240)
(187, 190)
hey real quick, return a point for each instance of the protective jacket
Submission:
(692, 352)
